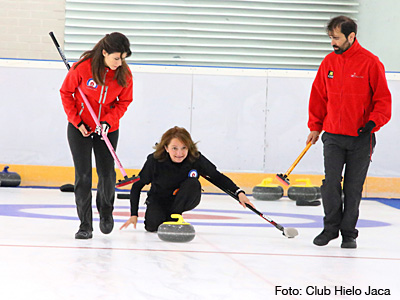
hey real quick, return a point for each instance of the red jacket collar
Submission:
(352, 50)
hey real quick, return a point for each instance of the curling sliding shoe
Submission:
(176, 232)
(9, 179)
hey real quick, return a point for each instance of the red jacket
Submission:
(349, 90)
(110, 101)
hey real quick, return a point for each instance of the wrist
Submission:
(370, 125)
(105, 122)
(238, 191)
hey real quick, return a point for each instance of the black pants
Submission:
(355, 154)
(159, 210)
(81, 149)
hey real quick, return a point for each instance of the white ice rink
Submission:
(235, 254)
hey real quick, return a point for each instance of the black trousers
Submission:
(81, 149)
(354, 155)
(159, 210)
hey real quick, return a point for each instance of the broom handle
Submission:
(298, 158)
(92, 113)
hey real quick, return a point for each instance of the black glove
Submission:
(86, 126)
(366, 130)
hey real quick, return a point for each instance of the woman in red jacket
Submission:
(106, 80)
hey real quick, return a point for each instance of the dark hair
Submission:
(111, 43)
(181, 134)
(346, 25)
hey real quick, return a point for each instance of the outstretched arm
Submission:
(145, 178)
(238, 195)
(209, 171)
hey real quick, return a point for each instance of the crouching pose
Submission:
(173, 170)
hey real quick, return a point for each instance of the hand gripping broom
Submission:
(127, 180)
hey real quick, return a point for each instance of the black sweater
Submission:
(166, 176)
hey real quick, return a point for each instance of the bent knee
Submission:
(192, 183)
(151, 226)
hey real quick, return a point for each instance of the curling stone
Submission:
(67, 188)
(319, 196)
(9, 179)
(304, 194)
(267, 191)
(176, 232)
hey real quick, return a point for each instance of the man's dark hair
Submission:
(345, 24)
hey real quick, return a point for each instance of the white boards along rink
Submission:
(244, 120)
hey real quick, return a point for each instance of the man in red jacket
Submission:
(350, 101)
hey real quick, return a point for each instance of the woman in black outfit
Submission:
(173, 170)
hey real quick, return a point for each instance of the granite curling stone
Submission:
(305, 193)
(319, 196)
(267, 191)
(9, 179)
(176, 232)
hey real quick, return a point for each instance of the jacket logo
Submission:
(91, 84)
(193, 173)
(354, 75)
(330, 74)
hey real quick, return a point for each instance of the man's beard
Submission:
(342, 49)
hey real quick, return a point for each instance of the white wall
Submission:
(25, 25)
(254, 123)
(378, 25)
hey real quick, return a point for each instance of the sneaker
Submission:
(324, 238)
(348, 242)
(83, 235)
(106, 224)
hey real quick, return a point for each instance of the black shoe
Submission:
(106, 224)
(83, 235)
(324, 238)
(308, 202)
(348, 242)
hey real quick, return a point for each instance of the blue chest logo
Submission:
(193, 173)
(91, 84)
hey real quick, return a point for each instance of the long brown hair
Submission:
(111, 43)
(181, 134)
